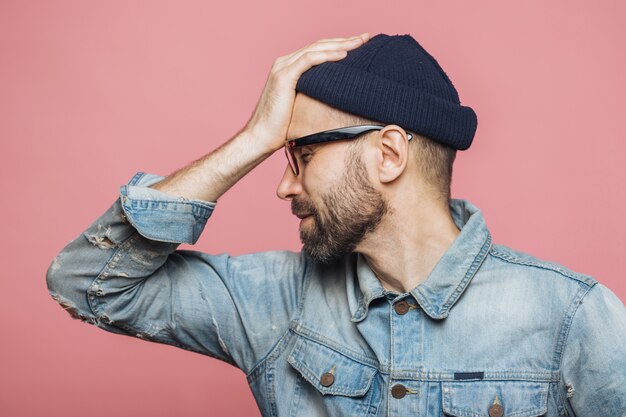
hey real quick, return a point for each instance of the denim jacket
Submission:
(491, 332)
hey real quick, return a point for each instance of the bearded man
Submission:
(398, 304)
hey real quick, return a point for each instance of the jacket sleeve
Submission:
(125, 275)
(594, 358)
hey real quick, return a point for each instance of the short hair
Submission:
(434, 159)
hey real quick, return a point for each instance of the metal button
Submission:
(327, 379)
(401, 307)
(495, 409)
(398, 391)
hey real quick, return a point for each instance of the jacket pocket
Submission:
(330, 371)
(479, 398)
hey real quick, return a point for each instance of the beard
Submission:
(351, 209)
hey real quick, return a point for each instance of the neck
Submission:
(407, 245)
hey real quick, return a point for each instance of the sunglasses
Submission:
(342, 133)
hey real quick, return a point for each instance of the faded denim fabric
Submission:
(490, 325)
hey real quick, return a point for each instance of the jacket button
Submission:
(496, 410)
(399, 391)
(327, 379)
(401, 307)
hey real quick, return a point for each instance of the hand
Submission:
(272, 114)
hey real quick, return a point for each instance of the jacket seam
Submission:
(577, 302)
(477, 262)
(299, 329)
(508, 258)
(97, 305)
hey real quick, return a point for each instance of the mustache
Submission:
(300, 207)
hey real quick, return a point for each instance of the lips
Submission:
(303, 216)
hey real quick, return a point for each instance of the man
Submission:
(399, 303)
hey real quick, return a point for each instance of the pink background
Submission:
(92, 92)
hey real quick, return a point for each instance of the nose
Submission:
(289, 185)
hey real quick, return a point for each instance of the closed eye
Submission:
(306, 157)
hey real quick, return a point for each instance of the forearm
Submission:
(123, 247)
(212, 175)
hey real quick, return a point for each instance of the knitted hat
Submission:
(393, 80)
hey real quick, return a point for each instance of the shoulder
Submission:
(530, 265)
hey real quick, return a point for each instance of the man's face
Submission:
(347, 211)
(333, 188)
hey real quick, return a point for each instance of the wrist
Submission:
(259, 140)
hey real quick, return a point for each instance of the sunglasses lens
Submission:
(292, 159)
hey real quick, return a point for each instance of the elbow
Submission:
(54, 282)
(57, 280)
(59, 277)
(53, 275)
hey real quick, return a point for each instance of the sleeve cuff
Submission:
(160, 216)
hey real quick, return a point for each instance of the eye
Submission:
(306, 157)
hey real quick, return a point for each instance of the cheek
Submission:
(322, 171)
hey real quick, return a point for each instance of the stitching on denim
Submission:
(150, 236)
(444, 376)
(480, 257)
(570, 274)
(536, 410)
(269, 389)
(559, 401)
(567, 326)
(295, 402)
(135, 179)
(313, 336)
(476, 263)
(204, 205)
(311, 376)
(106, 269)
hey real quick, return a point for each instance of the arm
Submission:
(211, 176)
(593, 365)
(124, 273)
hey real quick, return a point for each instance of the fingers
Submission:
(331, 44)
(326, 41)
(310, 59)
(362, 35)
(328, 44)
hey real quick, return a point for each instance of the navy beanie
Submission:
(393, 80)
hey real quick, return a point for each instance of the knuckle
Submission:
(278, 75)
(309, 55)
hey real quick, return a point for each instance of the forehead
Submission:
(310, 115)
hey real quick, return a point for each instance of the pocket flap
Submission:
(313, 360)
(474, 398)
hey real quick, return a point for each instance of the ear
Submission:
(392, 152)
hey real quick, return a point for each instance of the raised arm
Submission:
(211, 176)
(125, 275)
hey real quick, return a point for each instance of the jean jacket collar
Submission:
(450, 276)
